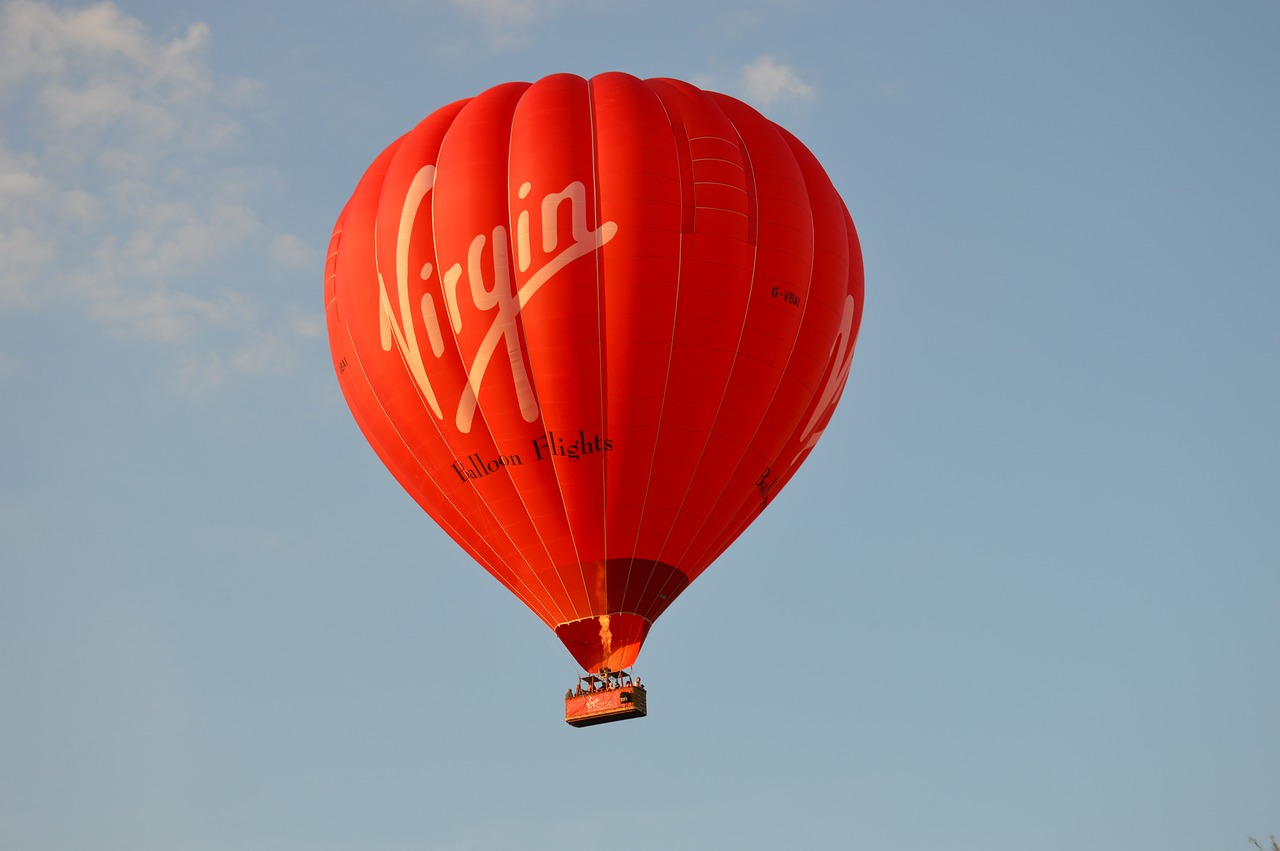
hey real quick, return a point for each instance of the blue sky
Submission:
(1023, 594)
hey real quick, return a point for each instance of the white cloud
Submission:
(38, 40)
(506, 22)
(267, 353)
(768, 82)
(24, 252)
(166, 316)
(171, 239)
(513, 11)
(304, 324)
(104, 132)
(197, 374)
(77, 204)
(120, 193)
(23, 255)
(9, 364)
(292, 253)
(16, 182)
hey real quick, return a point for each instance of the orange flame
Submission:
(606, 637)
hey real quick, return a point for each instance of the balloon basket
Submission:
(604, 697)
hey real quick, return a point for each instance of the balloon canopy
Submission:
(593, 326)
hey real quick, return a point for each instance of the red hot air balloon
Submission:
(593, 327)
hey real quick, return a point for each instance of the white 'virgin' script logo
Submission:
(500, 300)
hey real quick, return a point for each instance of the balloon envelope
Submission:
(593, 327)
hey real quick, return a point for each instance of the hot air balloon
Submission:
(593, 327)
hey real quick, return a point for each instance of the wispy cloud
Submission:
(197, 374)
(768, 82)
(9, 364)
(506, 23)
(119, 189)
(292, 253)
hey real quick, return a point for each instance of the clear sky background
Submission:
(1025, 593)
